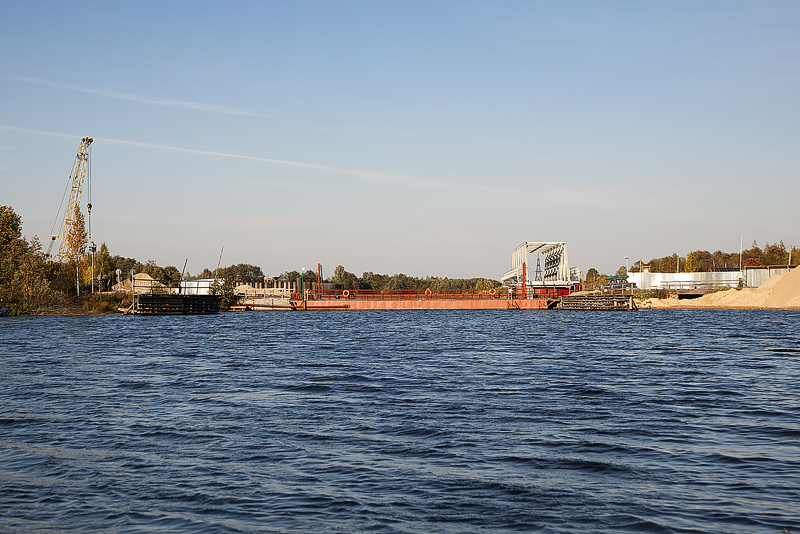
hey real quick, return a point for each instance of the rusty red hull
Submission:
(423, 304)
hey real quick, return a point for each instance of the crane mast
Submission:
(77, 178)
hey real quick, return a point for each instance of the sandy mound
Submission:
(780, 291)
(786, 293)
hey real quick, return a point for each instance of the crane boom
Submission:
(77, 176)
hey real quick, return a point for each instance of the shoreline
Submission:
(648, 305)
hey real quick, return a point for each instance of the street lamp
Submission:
(93, 250)
(302, 286)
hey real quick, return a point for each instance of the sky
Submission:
(425, 138)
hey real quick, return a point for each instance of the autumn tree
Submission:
(76, 241)
(691, 263)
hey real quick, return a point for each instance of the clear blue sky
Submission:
(429, 138)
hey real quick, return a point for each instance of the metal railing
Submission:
(267, 292)
(690, 284)
(424, 294)
(151, 286)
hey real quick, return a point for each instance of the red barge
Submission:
(518, 291)
(477, 299)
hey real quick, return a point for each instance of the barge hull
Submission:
(477, 304)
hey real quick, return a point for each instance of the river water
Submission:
(418, 421)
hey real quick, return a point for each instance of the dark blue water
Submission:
(660, 421)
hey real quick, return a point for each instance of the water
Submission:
(669, 421)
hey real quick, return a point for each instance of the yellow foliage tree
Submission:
(691, 263)
(77, 240)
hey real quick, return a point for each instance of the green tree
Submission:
(243, 273)
(345, 279)
(171, 273)
(12, 245)
(24, 273)
(126, 265)
(592, 276)
(152, 269)
(203, 275)
(775, 254)
(226, 292)
(104, 264)
(290, 277)
(350, 281)
(370, 280)
(338, 275)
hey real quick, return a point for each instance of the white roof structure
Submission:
(556, 265)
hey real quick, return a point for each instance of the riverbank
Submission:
(97, 304)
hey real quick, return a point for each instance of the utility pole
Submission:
(741, 241)
(93, 249)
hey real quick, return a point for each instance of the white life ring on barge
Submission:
(346, 293)
(493, 292)
(428, 292)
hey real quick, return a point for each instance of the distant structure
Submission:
(749, 277)
(557, 273)
(201, 286)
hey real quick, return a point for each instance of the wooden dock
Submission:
(177, 304)
(597, 302)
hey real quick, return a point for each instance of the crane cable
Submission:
(89, 183)
(58, 213)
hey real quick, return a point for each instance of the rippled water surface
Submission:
(669, 421)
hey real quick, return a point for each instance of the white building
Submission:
(750, 277)
(197, 287)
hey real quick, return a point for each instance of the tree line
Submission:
(703, 260)
(381, 282)
(31, 283)
(27, 280)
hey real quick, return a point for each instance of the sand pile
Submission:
(780, 291)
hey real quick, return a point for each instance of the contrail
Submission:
(365, 175)
(316, 166)
(156, 101)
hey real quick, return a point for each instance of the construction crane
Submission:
(75, 186)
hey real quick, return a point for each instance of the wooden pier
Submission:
(177, 304)
(597, 302)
